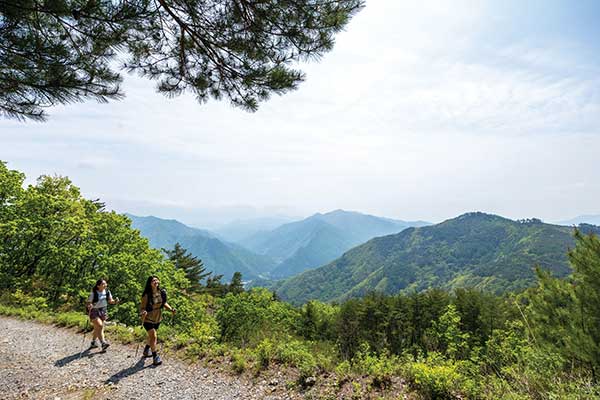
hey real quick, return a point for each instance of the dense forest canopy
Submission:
(64, 51)
(478, 250)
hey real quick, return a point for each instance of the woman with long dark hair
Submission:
(97, 304)
(154, 299)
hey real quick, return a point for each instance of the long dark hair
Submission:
(148, 288)
(98, 283)
(95, 290)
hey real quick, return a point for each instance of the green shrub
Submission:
(205, 331)
(20, 299)
(121, 333)
(437, 378)
(73, 319)
(238, 361)
(196, 350)
(357, 391)
(264, 353)
(28, 312)
(380, 367)
(343, 370)
(296, 353)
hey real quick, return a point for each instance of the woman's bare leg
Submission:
(152, 339)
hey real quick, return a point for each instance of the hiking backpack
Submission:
(163, 296)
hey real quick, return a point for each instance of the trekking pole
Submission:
(87, 324)
(137, 348)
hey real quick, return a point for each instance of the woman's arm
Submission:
(88, 302)
(143, 311)
(110, 299)
(169, 308)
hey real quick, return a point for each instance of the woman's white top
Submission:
(102, 300)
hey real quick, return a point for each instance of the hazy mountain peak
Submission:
(582, 219)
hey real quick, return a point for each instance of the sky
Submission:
(422, 111)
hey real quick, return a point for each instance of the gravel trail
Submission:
(39, 361)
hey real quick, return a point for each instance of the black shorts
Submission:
(151, 325)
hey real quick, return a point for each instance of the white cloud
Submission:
(413, 115)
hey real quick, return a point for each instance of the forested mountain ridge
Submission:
(320, 238)
(478, 250)
(221, 258)
(161, 231)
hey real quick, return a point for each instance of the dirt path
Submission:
(39, 361)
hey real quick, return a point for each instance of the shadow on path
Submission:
(137, 367)
(80, 354)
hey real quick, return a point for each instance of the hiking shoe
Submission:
(147, 353)
(156, 360)
(93, 345)
(105, 345)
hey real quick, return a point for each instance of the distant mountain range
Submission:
(582, 219)
(240, 230)
(282, 252)
(218, 256)
(319, 239)
(473, 250)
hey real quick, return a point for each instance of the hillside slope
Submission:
(319, 239)
(475, 249)
(219, 257)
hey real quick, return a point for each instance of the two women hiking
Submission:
(96, 305)
(154, 299)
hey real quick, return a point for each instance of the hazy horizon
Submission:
(220, 217)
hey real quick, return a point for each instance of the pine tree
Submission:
(566, 313)
(215, 287)
(236, 286)
(193, 267)
(64, 51)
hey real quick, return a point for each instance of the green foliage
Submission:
(343, 370)
(265, 352)
(566, 313)
(540, 344)
(287, 351)
(57, 244)
(380, 367)
(247, 317)
(236, 286)
(73, 319)
(192, 266)
(318, 321)
(238, 361)
(298, 354)
(446, 335)
(437, 378)
(477, 250)
(19, 304)
(242, 51)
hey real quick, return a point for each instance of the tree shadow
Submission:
(76, 356)
(137, 367)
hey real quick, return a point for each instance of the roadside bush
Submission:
(437, 378)
(20, 299)
(264, 353)
(297, 354)
(238, 361)
(73, 319)
(380, 367)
